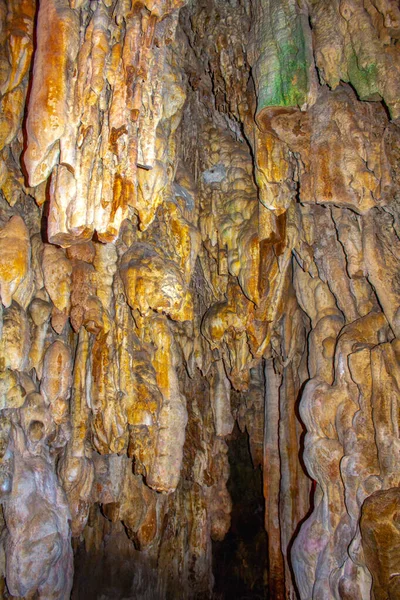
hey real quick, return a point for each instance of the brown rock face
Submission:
(199, 234)
(379, 527)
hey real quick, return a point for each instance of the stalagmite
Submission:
(38, 544)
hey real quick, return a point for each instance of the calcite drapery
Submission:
(94, 107)
(353, 42)
(15, 251)
(283, 66)
(198, 225)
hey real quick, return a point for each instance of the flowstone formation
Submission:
(199, 232)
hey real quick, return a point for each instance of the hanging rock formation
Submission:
(199, 226)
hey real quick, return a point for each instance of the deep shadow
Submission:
(240, 561)
(28, 95)
(108, 567)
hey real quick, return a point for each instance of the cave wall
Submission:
(199, 225)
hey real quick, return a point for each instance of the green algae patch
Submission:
(364, 80)
(282, 69)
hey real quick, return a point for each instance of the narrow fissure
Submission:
(240, 560)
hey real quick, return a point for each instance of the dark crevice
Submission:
(240, 561)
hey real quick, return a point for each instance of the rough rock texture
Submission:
(199, 226)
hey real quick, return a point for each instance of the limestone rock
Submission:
(36, 513)
(15, 251)
(380, 530)
(154, 283)
(56, 380)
